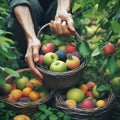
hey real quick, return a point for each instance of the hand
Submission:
(63, 23)
(32, 55)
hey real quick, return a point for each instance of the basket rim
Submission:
(82, 65)
(19, 104)
(61, 104)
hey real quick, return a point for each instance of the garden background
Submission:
(98, 23)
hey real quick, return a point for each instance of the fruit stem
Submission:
(70, 57)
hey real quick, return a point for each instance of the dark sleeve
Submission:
(14, 3)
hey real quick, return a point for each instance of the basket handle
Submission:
(19, 71)
(46, 25)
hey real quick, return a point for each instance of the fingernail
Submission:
(36, 59)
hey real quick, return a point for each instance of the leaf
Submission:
(112, 65)
(83, 3)
(84, 49)
(115, 26)
(42, 107)
(102, 4)
(53, 117)
(104, 63)
(75, 8)
(11, 72)
(103, 87)
(43, 117)
(5, 39)
(4, 51)
(2, 105)
(95, 52)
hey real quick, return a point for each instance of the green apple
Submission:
(58, 66)
(49, 58)
(116, 81)
(75, 94)
(116, 84)
(44, 93)
(7, 88)
(96, 93)
(22, 82)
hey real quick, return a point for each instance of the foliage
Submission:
(97, 22)
(6, 45)
(6, 112)
(48, 113)
(96, 31)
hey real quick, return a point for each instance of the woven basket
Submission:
(60, 80)
(26, 107)
(98, 113)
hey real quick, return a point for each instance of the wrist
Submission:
(64, 5)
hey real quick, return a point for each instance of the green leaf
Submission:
(102, 4)
(42, 107)
(84, 49)
(53, 117)
(103, 87)
(95, 52)
(2, 105)
(112, 65)
(83, 3)
(5, 39)
(11, 72)
(43, 117)
(75, 8)
(104, 63)
(115, 26)
(4, 51)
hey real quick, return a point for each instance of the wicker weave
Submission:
(60, 80)
(100, 113)
(26, 107)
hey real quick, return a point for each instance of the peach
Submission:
(16, 94)
(30, 84)
(27, 91)
(90, 85)
(71, 103)
(34, 95)
(72, 62)
(84, 88)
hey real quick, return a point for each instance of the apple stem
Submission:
(70, 57)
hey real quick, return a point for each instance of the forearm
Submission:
(23, 16)
(63, 5)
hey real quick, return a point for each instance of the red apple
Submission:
(109, 49)
(41, 59)
(70, 48)
(48, 47)
(87, 104)
(90, 85)
(89, 94)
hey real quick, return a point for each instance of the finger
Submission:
(32, 67)
(71, 26)
(35, 50)
(65, 28)
(51, 25)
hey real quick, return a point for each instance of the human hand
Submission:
(32, 56)
(63, 23)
